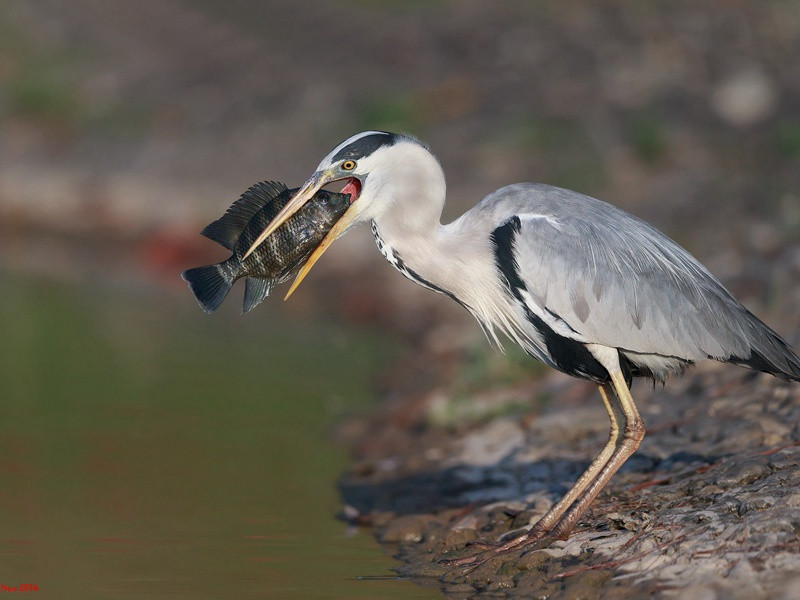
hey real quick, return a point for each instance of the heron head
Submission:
(365, 162)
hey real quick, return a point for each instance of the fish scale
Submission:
(276, 260)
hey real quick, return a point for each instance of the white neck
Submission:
(409, 197)
(457, 259)
(407, 209)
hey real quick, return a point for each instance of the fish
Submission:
(281, 255)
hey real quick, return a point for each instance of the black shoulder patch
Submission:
(567, 355)
(503, 240)
(365, 146)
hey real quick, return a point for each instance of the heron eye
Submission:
(349, 165)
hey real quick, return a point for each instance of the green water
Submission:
(148, 450)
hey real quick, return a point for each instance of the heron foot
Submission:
(534, 539)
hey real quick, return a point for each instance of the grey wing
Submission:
(600, 275)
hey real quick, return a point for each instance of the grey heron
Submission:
(581, 285)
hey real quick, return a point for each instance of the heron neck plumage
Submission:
(456, 259)
(411, 236)
(408, 223)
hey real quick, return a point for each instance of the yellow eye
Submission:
(348, 165)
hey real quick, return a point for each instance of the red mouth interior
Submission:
(353, 187)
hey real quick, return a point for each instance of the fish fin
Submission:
(227, 229)
(210, 285)
(255, 290)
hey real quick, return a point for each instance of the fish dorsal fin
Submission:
(255, 290)
(227, 229)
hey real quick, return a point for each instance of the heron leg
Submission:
(632, 434)
(616, 416)
(552, 516)
(627, 432)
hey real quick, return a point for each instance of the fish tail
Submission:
(210, 284)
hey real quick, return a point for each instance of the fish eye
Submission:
(323, 197)
(348, 165)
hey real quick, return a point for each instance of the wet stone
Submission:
(423, 569)
(525, 518)
(406, 529)
(501, 583)
(455, 539)
(534, 559)
(482, 575)
(587, 585)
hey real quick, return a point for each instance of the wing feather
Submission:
(617, 281)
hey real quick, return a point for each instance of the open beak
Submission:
(303, 195)
(338, 229)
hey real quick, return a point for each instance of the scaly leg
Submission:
(633, 433)
(552, 516)
(627, 432)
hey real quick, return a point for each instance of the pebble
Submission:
(406, 529)
(467, 522)
(423, 569)
(533, 560)
(456, 538)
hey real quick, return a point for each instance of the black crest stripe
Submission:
(365, 146)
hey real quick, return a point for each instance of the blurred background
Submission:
(148, 448)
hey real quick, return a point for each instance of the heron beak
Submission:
(338, 229)
(303, 195)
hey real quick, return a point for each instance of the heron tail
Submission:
(210, 284)
(769, 352)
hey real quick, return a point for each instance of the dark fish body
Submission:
(277, 258)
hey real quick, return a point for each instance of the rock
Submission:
(533, 560)
(456, 538)
(491, 444)
(587, 585)
(406, 529)
(423, 569)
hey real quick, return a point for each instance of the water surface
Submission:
(149, 450)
